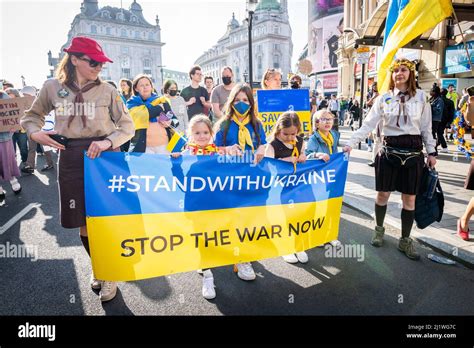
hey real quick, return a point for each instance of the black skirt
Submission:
(71, 182)
(402, 178)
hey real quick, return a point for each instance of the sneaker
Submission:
(108, 291)
(2, 197)
(200, 271)
(369, 148)
(406, 246)
(95, 283)
(27, 169)
(371, 164)
(47, 167)
(208, 291)
(245, 271)
(377, 240)
(302, 257)
(291, 258)
(16, 187)
(444, 150)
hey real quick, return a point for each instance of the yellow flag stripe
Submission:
(175, 242)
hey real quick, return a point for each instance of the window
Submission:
(105, 14)
(276, 61)
(108, 31)
(124, 50)
(276, 47)
(147, 63)
(123, 33)
(147, 72)
(126, 73)
(151, 36)
(259, 48)
(259, 63)
(276, 29)
(137, 35)
(133, 19)
(93, 29)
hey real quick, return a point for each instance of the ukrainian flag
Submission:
(176, 143)
(150, 215)
(406, 20)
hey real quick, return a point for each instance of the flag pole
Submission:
(464, 41)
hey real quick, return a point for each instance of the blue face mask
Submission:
(241, 108)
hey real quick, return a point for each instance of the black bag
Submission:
(429, 204)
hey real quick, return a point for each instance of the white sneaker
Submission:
(290, 258)
(245, 271)
(369, 148)
(208, 291)
(95, 283)
(16, 187)
(444, 150)
(107, 291)
(302, 257)
(199, 271)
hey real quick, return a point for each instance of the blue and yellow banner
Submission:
(272, 103)
(152, 215)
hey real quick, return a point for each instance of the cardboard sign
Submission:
(11, 111)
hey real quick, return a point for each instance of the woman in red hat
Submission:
(92, 117)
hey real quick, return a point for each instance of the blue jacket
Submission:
(317, 144)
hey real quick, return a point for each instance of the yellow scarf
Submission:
(329, 140)
(244, 134)
(295, 152)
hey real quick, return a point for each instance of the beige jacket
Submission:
(106, 113)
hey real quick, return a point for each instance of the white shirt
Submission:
(387, 109)
(333, 105)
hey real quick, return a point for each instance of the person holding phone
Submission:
(91, 117)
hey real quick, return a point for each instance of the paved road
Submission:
(382, 281)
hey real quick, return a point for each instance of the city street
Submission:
(377, 281)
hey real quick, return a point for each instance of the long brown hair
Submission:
(286, 120)
(66, 71)
(411, 83)
(225, 121)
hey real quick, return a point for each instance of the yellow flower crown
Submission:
(397, 63)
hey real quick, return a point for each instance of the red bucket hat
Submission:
(85, 45)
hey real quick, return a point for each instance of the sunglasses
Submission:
(92, 62)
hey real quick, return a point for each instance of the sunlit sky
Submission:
(29, 29)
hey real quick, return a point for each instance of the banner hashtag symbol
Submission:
(116, 183)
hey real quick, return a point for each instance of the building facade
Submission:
(438, 53)
(127, 38)
(271, 44)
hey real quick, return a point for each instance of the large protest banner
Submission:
(272, 103)
(11, 110)
(149, 215)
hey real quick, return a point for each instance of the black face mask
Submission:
(227, 80)
(173, 93)
(295, 85)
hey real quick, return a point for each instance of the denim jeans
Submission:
(22, 140)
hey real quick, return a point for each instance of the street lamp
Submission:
(245, 74)
(251, 7)
(161, 71)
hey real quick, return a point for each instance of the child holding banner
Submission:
(8, 167)
(287, 145)
(323, 142)
(242, 127)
